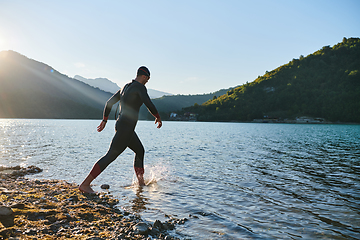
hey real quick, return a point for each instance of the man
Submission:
(131, 97)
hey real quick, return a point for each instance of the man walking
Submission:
(131, 97)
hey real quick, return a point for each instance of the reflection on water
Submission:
(138, 203)
(231, 180)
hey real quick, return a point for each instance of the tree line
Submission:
(324, 84)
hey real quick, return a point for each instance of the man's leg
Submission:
(136, 145)
(117, 146)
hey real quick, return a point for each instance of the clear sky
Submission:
(190, 46)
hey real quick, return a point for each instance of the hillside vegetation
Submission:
(167, 104)
(324, 84)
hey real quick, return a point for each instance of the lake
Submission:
(230, 180)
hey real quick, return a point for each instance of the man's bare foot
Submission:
(141, 182)
(86, 189)
(140, 175)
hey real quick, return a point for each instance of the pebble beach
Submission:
(56, 209)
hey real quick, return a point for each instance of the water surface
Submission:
(231, 180)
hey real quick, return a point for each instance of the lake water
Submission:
(231, 180)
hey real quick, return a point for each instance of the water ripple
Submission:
(232, 180)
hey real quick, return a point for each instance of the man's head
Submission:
(143, 75)
(143, 71)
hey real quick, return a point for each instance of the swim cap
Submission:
(143, 71)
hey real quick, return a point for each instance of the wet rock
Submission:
(181, 221)
(154, 231)
(141, 228)
(35, 216)
(6, 232)
(33, 169)
(5, 211)
(168, 226)
(37, 182)
(193, 216)
(105, 186)
(88, 216)
(17, 171)
(54, 227)
(51, 219)
(18, 205)
(73, 198)
(158, 224)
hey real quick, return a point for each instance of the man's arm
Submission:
(114, 99)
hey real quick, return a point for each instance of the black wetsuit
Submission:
(131, 97)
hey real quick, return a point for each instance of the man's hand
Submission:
(158, 122)
(101, 126)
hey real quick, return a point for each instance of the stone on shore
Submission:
(141, 228)
(105, 186)
(5, 211)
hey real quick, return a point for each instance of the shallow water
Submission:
(231, 180)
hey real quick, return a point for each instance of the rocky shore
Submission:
(55, 209)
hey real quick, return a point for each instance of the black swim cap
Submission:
(143, 71)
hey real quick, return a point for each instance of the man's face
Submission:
(144, 79)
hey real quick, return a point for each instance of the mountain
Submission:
(101, 83)
(157, 94)
(31, 89)
(325, 84)
(109, 86)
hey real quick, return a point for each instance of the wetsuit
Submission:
(131, 97)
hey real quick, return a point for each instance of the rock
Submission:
(33, 169)
(158, 224)
(182, 221)
(18, 205)
(73, 198)
(105, 186)
(5, 211)
(168, 226)
(141, 228)
(6, 232)
(154, 231)
(88, 216)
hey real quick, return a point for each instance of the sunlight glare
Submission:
(2, 43)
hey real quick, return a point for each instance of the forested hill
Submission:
(31, 89)
(325, 84)
(174, 103)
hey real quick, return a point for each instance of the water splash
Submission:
(153, 174)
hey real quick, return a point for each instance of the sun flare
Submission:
(2, 43)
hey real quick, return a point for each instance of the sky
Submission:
(190, 46)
